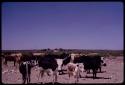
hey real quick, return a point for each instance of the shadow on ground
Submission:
(96, 77)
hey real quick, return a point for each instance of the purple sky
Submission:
(74, 25)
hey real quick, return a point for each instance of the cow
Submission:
(101, 62)
(59, 62)
(26, 62)
(9, 58)
(68, 59)
(25, 65)
(48, 62)
(74, 70)
(37, 56)
(64, 55)
(90, 62)
(65, 61)
(28, 57)
(25, 70)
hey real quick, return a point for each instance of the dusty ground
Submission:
(112, 73)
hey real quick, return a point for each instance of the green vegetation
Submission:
(105, 53)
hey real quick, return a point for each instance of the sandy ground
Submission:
(112, 73)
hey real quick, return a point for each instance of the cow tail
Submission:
(27, 75)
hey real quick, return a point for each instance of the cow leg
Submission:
(24, 78)
(54, 76)
(39, 76)
(5, 62)
(36, 62)
(42, 73)
(62, 69)
(88, 71)
(69, 77)
(14, 63)
(80, 75)
(94, 73)
(100, 69)
(77, 77)
(28, 78)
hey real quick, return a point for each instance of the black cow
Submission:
(100, 62)
(25, 65)
(66, 60)
(48, 62)
(92, 62)
(56, 56)
(25, 70)
(89, 62)
(64, 55)
(36, 58)
(9, 58)
(28, 57)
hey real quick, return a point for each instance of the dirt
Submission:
(112, 73)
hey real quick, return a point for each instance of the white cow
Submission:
(74, 70)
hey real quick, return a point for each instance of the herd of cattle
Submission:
(92, 62)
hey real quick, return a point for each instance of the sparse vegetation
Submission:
(105, 53)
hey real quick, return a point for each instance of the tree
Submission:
(60, 49)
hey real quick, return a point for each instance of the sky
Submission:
(67, 25)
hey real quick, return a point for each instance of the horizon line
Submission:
(62, 48)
